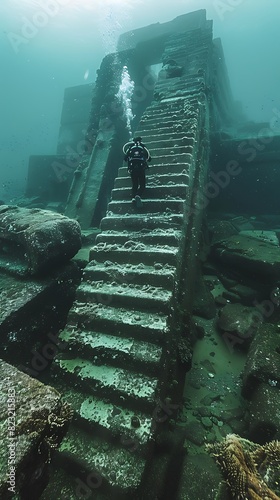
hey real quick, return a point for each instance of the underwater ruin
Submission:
(140, 342)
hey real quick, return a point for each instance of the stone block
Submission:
(32, 240)
(33, 421)
(263, 361)
(264, 409)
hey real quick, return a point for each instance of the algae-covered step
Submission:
(169, 177)
(153, 191)
(152, 206)
(135, 254)
(138, 221)
(126, 295)
(112, 421)
(119, 321)
(119, 385)
(113, 465)
(103, 348)
(123, 423)
(158, 275)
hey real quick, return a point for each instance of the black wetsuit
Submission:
(137, 157)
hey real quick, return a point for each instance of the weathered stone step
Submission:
(141, 221)
(167, 120)
(162, 115)
(112, 469)
(136, 254)
(153, 136)
(100, 417)
(171, 142)
(167, 89)
(133, 426)
(112, 350)
(169, 124)
(152, 192)
(155, 237)
(148, 206)
(175, 150)
(169, 159)
(139, 275)
(164, 180)
(125, 295)
(170, 169)
(173, 104)
(118, 321)
(118, 385)
(165, 125)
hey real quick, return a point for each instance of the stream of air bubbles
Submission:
(124, 96)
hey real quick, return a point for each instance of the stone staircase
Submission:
(113, 368)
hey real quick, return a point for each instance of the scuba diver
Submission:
(137, 156)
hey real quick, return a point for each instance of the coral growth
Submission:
(247, 467)
(50, 428)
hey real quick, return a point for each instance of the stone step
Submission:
(110, 469)
(163, 115)
(136, 254)
(125, 295)
(153, 207)
(140, 325)
(111, 421)
(170, 142)
(164, 180)
(160, 107)
(155, 237)
(173, 87)
(139, 275)
(105, 349)
(141, 221)
(149, 137)
(169, 159)
(152, 192)
(167, 120)
(169, 124)
(175, 150)
(118, 385)
(174, 103)
(133, 427)
(172, 168)
(167, 91)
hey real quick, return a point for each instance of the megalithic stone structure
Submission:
(129, 324)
